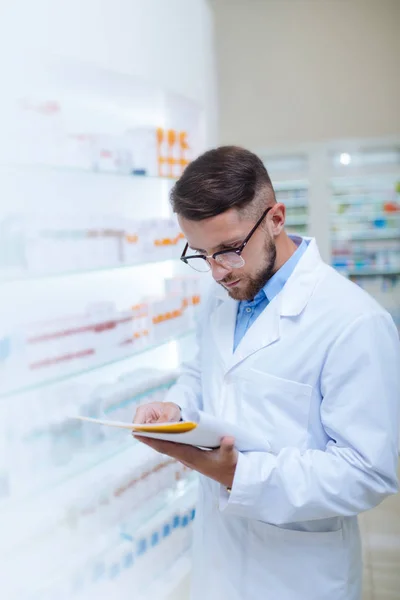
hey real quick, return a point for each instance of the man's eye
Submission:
(230, 248)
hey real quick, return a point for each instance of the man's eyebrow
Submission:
(227, 244)
(198, 249)
(230, 243)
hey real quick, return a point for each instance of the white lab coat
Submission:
(318, 374)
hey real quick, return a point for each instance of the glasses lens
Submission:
(198, 264)
(230, 260)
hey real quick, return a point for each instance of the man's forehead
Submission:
(223, 229)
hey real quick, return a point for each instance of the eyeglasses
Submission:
(229, 259)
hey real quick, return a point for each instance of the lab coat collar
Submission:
(265, 330)
(301, 284)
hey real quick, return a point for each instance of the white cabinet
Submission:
(347, 195)
(95, 315)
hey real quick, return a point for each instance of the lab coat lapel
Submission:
(223, 323)
(300, 286)
(262, 333)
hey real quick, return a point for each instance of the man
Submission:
(295, 352)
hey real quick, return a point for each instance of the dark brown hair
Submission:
(220, 179)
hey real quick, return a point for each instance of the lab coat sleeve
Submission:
(360, 384)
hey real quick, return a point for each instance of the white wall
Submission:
(169, 42)
(307, 70)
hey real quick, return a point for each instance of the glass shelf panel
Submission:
(77, 170)
(48, 276)
(54, 380)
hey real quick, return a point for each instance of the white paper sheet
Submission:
(208, 433)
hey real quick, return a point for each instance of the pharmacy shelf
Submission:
(369, 272)
(359, 199)
(296, 221)
(376, 234)
(164, 585)
(56, 380)
(294, 204)
(361, 174)
(60, 489)
(167, 586)
(354, 216)
(162, 502)
(84, 461)
(73, 273)
(288, 184)
(90, 172)
(69, 474)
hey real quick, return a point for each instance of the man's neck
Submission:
(285, 248)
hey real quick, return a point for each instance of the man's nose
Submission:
(218, 271)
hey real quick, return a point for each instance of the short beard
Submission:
(256, 283)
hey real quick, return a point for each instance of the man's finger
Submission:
(227, 445)
(139, 415)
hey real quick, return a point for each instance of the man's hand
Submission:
(158, 412)
(219, 464)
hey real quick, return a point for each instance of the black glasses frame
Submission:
(237, 251)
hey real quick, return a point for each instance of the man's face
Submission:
(228, 230)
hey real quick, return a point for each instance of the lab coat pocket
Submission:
(279, 408)
(300, 565)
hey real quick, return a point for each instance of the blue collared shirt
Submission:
(250, 310)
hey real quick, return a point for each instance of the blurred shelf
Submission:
(365, 217)
(294, 204)
(163, 500)
(162, 503)
(289, 184)
(297, 231)
(151, 508)
(368, 272)
(360, 173)
(54, 380)
(72, 273)
(359, 199)
(102, 544)
(167, 586)
(86, 460)
(377, 234)
(68, 474)
(81, 170)
(296, 221)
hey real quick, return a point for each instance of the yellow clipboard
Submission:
(181, 427)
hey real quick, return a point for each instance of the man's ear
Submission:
(278, 217)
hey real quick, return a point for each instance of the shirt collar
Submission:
(278, 280)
